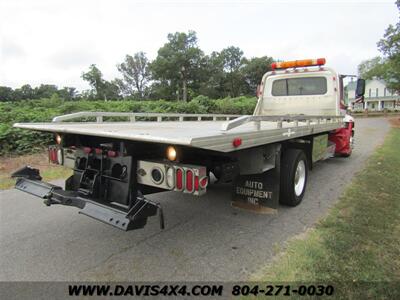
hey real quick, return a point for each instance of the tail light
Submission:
(111, 153)
(200, 183)
(87, 150)
(204, 182)
(179, 179)
(56, 155)
(189, 181)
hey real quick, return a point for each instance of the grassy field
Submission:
(48, 171)
(357, 247)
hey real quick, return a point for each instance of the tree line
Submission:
(181, 71)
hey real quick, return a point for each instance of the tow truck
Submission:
(119, 159)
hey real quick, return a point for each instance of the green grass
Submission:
(357, 246)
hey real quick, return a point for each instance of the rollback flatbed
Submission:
(120, 158)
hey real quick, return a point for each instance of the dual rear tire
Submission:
(294, 175)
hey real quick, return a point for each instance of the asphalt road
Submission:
(205, 238)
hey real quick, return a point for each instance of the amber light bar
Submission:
(298, 63)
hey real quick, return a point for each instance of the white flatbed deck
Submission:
(211, 135)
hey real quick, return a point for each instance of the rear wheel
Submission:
(294, 173)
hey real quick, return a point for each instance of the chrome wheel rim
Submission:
(300, 178)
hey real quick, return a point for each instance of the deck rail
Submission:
(133, 117)
(280, 120)
(232, 121)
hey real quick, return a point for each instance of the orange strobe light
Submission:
(298, 63)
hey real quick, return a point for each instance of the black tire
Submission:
(291, 158)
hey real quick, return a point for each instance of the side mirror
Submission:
(360, 89)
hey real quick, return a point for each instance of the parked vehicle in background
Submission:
(299, 120)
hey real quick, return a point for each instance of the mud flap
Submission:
(258, 192)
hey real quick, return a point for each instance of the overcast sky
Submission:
(54, 41)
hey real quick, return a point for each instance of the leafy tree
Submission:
(136, 74)
(177, 64)
(213, 84)
(233, 61)
(43, 91)
(388, 67)
(389, 45)
(27, 92)
(102, 89)
(254, 70)
(111, 90)
(6, 93)
(95, 79)
(68, 93)
(373, 67)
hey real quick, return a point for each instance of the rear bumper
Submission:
(29, 181)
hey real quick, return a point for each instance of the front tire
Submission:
(294, 174)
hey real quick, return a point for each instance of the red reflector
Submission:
(111, 153)
(98, 151)
(204, 182)
(189, 180)
(196, 183)
(53, 155)
(273, 66)
(237, 142)
(179, 179)
(87, 150)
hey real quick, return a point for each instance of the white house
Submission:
(377, 97)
